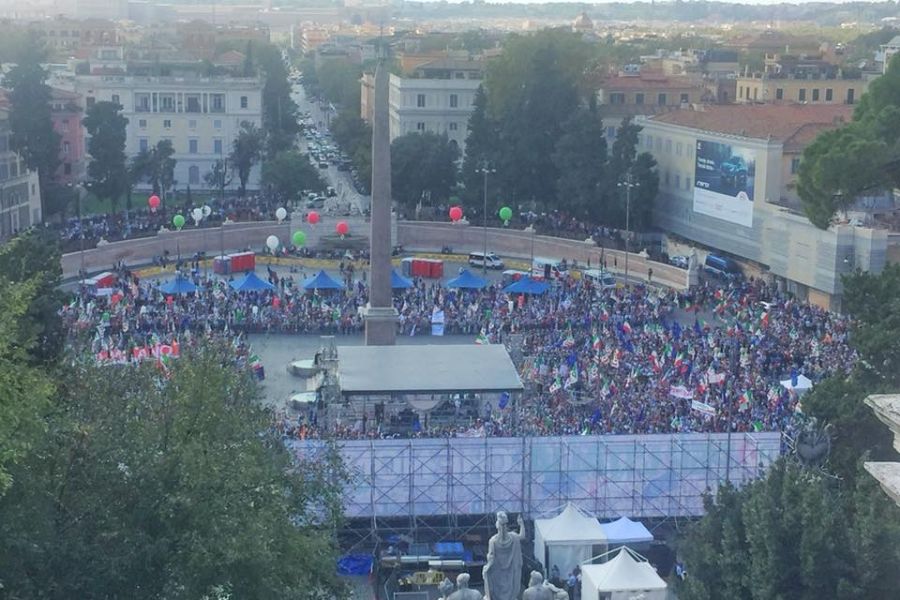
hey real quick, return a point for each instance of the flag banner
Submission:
(680, 391)
(703, 408)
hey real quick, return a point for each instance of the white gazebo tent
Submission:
(804, 384)
(625, 532)
(567, 540)
(622, 578)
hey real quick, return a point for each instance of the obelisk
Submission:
(381, 317)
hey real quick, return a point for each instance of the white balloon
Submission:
(281, 214)
(272, 242)
(206, 210)
(197, 214)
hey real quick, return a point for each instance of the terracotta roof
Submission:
(760, 121)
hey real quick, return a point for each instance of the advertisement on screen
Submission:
(724, 182)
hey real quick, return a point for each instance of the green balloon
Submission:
(178, 221)
(506, 213)
(299, 238)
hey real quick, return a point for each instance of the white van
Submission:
(489, 260)
(549, 268)
(600, 279)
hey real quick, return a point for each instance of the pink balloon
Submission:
(342, 228)
(153, 201)
(312, 218)
(456, 213)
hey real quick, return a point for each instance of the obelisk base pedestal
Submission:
(381, 325)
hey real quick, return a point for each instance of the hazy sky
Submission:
(626, 1)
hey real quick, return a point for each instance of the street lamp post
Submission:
(485, 169)
(628, 184)
(533, 232)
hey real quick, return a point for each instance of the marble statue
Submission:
(445, 588)
(537, 590)
(503, 571)
(462, 589)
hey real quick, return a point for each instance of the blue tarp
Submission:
(322, 281)
(398, 282)
(626, 531)
(449, 549)
(527, 285)
(251, 282)
(179, 285)
(355, 564)
(467, 281)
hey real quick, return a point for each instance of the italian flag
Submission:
(745, 400)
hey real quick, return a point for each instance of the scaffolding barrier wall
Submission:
(608, 476)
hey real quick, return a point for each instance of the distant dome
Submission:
(583, 23)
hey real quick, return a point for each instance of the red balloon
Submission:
(456, 213)
(312, 218)
(342, 228)
(153, 201)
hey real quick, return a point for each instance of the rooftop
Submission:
(761, 121)
(652, 80)
(426, 369)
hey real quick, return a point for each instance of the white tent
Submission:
(625, 531)
(622, 578)
(567, 540)
(803, 384)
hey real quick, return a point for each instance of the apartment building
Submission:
(20, 194)
(201, 116)
(728, 182)
(809, 80)
(67, 114)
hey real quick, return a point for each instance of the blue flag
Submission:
(504, 400)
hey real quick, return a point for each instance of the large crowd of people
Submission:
(634, 359)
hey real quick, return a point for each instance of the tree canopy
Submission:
(246, 151)
(107, 171)
(288, 173)
(423, 165)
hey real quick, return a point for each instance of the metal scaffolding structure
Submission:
(404, 485)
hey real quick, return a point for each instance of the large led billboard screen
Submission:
(724, 182)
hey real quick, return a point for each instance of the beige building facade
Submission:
(20, 194)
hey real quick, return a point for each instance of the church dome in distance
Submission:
(583, 23)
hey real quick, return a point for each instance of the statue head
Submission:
(502, 522)
(462, 581)
(445, 588)
(535, 579)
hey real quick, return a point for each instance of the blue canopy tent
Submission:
(467, 281)
(251, 282)
(322, 281)
(398, 282)
(179, 285)
(527, 285)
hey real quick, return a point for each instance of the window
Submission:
(740, 91)
(611, 133)
(142, 102)
(192, 103)
(192, 146)
(193, 175)
(14, 169)
(420, 100)
(67, 168)
(617, 98)
(678, 148)
(217, 124)
(685, 99)
(65, 126)
(167, 102)
(217, 103)
(659, 145)
(167, 123)
(115, 99)
(795, 165)
(192, 124)
(243, 101)
(779, 93)
(143, 144)
(142, 123)
(815, 95)
(217, 146)
(639, 98)
(801, 95)
(677, 181)
(850, 94)
(420, 126)
(667, 178)
(668, 146)
(829, 94)
(453, 126)
(454, 101)
(90, 101)
(66, 148)
(687, 182)
(755, 93)
(661, 99)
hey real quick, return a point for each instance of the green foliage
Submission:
(289, 173)
(218, 177)
(354, 136)
(481, 146)
(33, 137)
(280, 112)
(151, 488)
(107, 171)
(338, 82)
(422, 165)
(859, 157)
(624, 160)
(246, 150)
(580, 158)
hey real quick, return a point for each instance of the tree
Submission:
(107, 171)
(422, 165)
(354, 136)
(169, 487)
(246, 151)
(280, 112)
(31, 126)
(624, 160)
(218, 177)
(580, 159)
(481, 147)
(289, 173)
